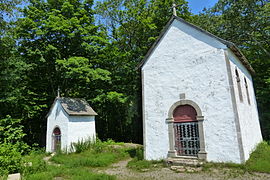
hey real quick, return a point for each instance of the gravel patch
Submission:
(120, 170)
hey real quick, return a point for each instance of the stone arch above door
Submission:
(170, 121)
(184, 102)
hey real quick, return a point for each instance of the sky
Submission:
(197, 6)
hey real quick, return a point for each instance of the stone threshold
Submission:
(184, 161)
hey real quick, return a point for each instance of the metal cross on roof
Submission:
(58, 92)
(174, 6)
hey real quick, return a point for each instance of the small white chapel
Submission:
(198, 97)
(69, 121)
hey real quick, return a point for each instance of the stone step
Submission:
(179, 161)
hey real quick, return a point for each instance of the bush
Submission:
(88, 144)
(81, 146)
(136, 153)
(10, 159)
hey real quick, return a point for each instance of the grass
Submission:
(88, 159)
(68, 173)
(144, 165)
(260, 159)
(76, 165)
(139, 164)
(100, 155)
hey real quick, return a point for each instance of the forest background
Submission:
(92, 49)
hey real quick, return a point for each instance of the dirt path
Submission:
(120, 170)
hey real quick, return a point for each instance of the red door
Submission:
(186, 131)
(56, 139)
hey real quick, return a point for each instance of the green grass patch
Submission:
(34, 163)
(76, 165)
(260, 159)
(68, 173)
(144, 165)
(87, 159)
(139, 164)
(92, 154)
(209, 165)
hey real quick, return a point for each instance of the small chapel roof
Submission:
(229, 44)
(74, 106)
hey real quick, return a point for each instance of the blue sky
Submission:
(197, 6)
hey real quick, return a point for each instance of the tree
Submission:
(133, 26)
(61, 43)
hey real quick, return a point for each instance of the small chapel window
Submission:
(239, 85)
(246, 85)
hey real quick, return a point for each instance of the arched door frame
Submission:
(172, 152)
(53, 139)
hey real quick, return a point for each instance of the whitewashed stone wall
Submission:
(81, 128)
(73, 128)
(57, 118)
(188, 61)
(248, 114)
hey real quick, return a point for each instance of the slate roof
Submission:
(229, 44)
(77, 107)
(74, 106)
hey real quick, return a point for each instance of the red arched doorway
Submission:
(186, 132)
(56, 139)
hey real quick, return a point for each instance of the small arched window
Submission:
(238, 85)
(246, 85)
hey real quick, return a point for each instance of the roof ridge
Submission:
(229, 44)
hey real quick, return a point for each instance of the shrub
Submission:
(81, 145)
(87, 144)
(10, 159)
(136, 153)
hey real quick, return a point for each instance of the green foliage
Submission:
(133, 26)
(10, 159)
(63, 46)
(11, 132)
(58, 43)
(82, 145)
(11, 145)
(260, 159)
(136, 153)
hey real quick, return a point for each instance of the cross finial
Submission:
(58, 92)
(174, 9)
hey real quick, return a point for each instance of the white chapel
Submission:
(198, 97)
(69, 120)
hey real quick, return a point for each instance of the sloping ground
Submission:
(121, 171)
(109, 160)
